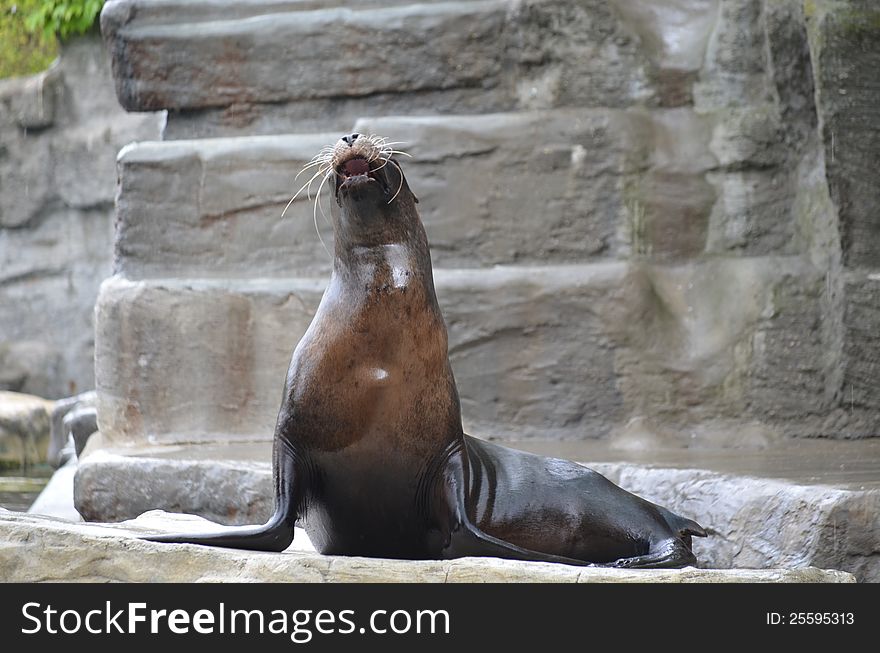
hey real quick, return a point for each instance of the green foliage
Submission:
(64, 18)
(23, 52)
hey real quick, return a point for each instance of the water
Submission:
(19, 488)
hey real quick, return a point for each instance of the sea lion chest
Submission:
(372, 405)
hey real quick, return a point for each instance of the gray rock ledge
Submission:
(39, 549)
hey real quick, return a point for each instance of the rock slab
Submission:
(34, 549)
(24, 429)
(753, 522)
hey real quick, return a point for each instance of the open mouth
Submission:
(354, 167)
(354, 172)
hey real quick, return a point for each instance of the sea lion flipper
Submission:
(271, 536)
(276, 534)
(469, 540)
(466, 538)
(671, 554)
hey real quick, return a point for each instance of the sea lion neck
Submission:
(393, 235)
(396, 268)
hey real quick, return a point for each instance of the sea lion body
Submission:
(369, 452)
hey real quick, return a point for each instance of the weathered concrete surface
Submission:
(73, 421)
(229, 346)
(563, 351)
(674, 132)
(845, 49)
(276, 57)
(212, 208)
(110, 487)
(857, 397)
(763, 523)
(667, 184)
(59, 135)
(753, 522)
(36, 549)
(507, 52)
(484, 56)
(24, 429)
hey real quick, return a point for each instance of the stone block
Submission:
(754, 523)
(48, 285)
(488, 55)
(566, 351)
(855, 402)
(24, 429)
(213, 209)
(845, 50)
(215, 60)
(195, 360)
(30, 102)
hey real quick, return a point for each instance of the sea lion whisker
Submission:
(315, 211)
(398, 187)
(313, 163)
(384, 163)
(306, 185)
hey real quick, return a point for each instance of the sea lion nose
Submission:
(350, 139)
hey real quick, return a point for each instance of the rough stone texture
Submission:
(671, 136)
(668, 184)
(857, 400)
(29, 102)
(41, 549)
(484, 56)
(228, 344)
(845, 47)
(59, 134)
(753, 523)
(600, 343)
(602, 183)
(275, 57)
(24, 429)
(765, 523)
(110, 487)
(212, 208)
(64, 428)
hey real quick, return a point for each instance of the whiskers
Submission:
(322, 162)
(323, 166)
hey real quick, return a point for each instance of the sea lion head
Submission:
(371, 191)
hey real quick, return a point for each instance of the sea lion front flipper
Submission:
(276, 534)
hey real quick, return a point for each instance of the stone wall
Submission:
(659, 211)
(60, 132)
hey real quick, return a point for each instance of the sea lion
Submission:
(369, 453)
